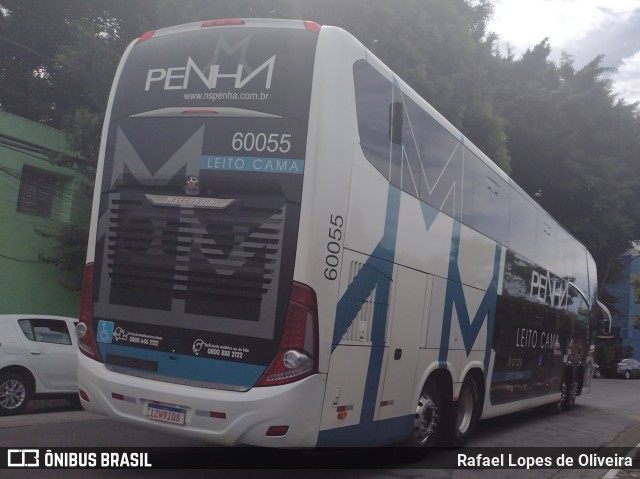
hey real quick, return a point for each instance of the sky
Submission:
(582, 28)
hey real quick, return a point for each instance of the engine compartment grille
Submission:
(219, 262)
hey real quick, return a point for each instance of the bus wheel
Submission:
(569, 392)
(464, 414)
(426, 420)
(426, 424)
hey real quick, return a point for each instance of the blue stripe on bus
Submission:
(385, 431)
(376, 273)
(429, 215)
(252, 164)
(190, 367)
(454, 296)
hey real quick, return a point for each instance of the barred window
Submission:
(39, 191)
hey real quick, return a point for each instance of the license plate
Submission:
(161, 412)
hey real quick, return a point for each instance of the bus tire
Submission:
(427, 422)
(464, 414)
(569, 392)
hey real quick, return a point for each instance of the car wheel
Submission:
(15, 393)
(627, 375)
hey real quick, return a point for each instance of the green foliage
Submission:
(627, 351)
(635, 284)
(572, 139)
(69, 253)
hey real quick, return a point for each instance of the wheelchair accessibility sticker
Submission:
(105, 331)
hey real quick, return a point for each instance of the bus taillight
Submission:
(297, 355)
(84, 330)
(145, 36)
(312, 26)
(223, 22)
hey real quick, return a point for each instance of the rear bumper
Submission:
(240, 418)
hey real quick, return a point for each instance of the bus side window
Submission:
(442, 162)
(490, 204)
(577, 305)
(604, 318)
(522, 225)
(373, 96)
(395, 122)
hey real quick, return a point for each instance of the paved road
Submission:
(609, 416)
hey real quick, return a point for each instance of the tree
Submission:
(57, 63)
(572, 139)
(68, 254)
(635, 285)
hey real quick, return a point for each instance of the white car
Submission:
(38, 358)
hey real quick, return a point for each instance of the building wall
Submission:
(626, 309)
(27, 285)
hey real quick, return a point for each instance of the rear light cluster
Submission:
(145, 36)
(312, 26)
(226, 22)
(84, 330)
(297, 355)
(223, 22)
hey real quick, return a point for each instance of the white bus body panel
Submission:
(248, 414)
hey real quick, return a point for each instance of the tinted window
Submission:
(522, 225)
(46, 330)
(407, 145)
(374, 95)
(490, 203)
(545, 243)
(442, 161)
(579, 273)
(248, 68)
(576, 305)
(411, 143)
(593, 279)
(565, 257)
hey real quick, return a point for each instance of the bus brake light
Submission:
(145, 36)
(223, 23)
(297, 355)
(84, 330)
(312, 26)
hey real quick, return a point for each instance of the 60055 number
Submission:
(332, 259)
(261, 142)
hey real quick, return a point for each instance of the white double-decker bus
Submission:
(290, 248)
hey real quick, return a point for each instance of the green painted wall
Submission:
(26, 284)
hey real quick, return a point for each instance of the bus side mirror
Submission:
(604, 318)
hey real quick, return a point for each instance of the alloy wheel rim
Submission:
(425, 419)
(12, 394)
